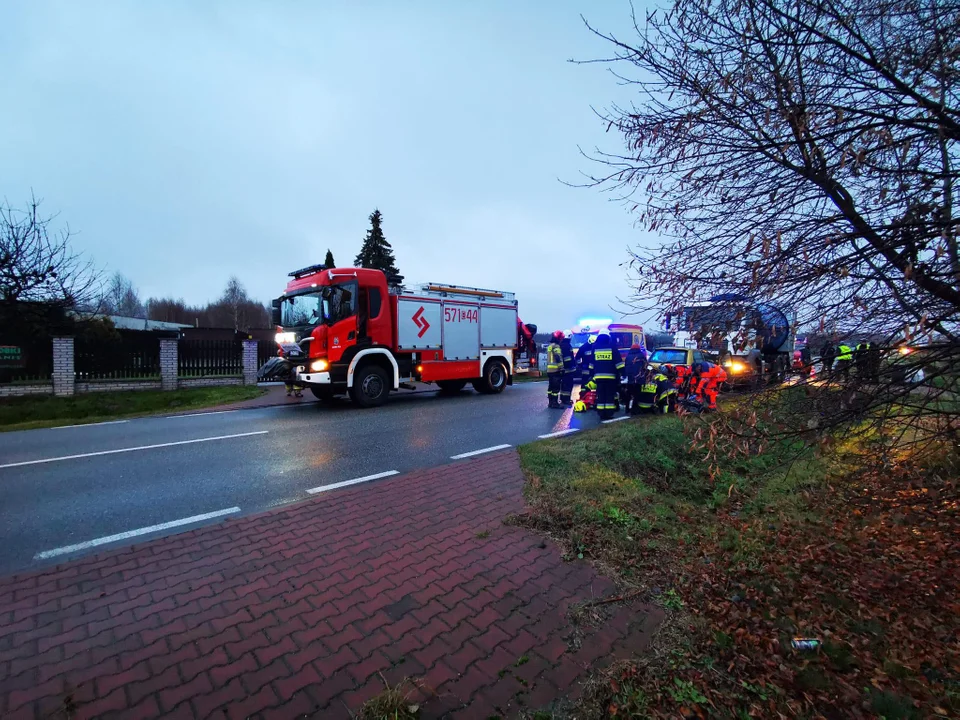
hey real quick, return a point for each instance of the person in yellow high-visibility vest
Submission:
(844, 359)
(554, 370)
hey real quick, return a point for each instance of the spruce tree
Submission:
(376, 251)
(328, 260)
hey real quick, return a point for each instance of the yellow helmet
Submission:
(579, 406)
(591, 385)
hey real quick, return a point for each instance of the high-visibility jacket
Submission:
(665, 388)
(566, 350)
(554, 358)
(607, 364)
(646, 396)
(845, 352)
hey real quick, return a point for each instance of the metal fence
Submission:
(266, 349)
(123, 356)
(24, 362)
(204, 358)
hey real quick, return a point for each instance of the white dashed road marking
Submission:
(479, 452)
(133, 533)
(345, 483)
(131, 449)
(108, 422)
(559, 433)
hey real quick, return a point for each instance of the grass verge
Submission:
(773, 547)
(39, 411)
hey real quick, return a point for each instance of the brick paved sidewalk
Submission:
(296, 612)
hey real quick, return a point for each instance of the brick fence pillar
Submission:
(250, 362)
(64, 376)
(168, 363)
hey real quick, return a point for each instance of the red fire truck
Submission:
(351, 331)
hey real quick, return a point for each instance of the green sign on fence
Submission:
(11, 356)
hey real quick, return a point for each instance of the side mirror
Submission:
(275, 314)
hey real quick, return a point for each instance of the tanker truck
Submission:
(750, 339)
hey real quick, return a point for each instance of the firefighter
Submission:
(605, 370)
(671, 390)
(860, 359)
(554, 370)
(827, 355)
(585, 359)
(290, 377)
(646, 397)
(874, 357)
(844, 359)
(569, 373)
(656, 394)
(635, 368)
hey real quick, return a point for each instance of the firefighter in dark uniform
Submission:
(656, 394)
(635, 370)
(569, 372)
(584, 360)
(554, 370)
(605, 371)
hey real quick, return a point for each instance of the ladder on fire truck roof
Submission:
(446, 290)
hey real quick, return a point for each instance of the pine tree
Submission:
(328, 260)
(376, 251)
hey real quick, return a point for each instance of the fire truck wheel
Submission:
(322, 394)
(494, 379)
(451, 387)
(370, 387)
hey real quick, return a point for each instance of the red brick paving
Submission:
(298, 612)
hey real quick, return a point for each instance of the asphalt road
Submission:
(65, 492)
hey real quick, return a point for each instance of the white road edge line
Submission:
(108, 422)
(130, 449)
(345, 483)
(607, 422)
(479, 452)
(213, 412)
(559, 433)
(133, 533)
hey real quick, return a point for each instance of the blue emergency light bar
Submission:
(590, 322)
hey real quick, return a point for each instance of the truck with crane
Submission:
(357, 332)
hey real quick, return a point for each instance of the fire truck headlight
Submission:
(319, 366)
(285, 337)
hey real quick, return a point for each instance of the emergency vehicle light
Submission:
(307, 271)
(590, 322)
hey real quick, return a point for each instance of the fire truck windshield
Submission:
(301, 310)
(328, 305)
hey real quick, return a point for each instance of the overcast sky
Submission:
(189, 141)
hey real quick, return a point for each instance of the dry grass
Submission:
(394, 703)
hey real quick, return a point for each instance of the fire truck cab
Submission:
(351, 331)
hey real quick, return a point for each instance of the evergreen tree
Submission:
(328, 260)
(376, 251)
